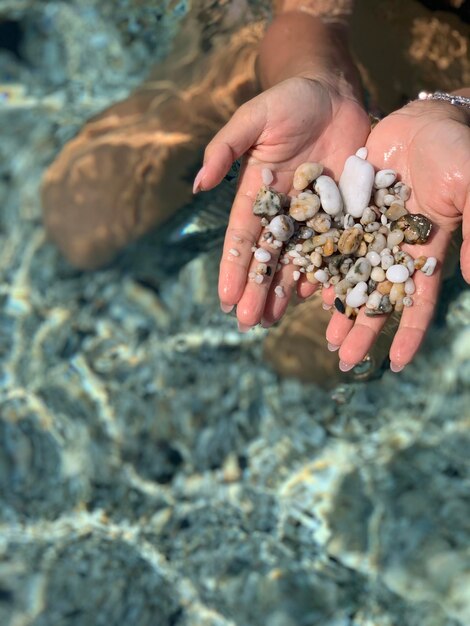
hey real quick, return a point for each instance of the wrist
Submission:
(300, 45)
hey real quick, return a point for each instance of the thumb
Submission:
(237, 136)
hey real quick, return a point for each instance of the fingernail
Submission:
(332, 347)
(265, 324)
(226, 308)
(345, 367)
(327, 307)
(197, 181)
(243, 328)
(396, 368)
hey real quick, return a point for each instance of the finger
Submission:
(235, 139)
(338, 329)
(415, 320)
(282, 288)
(261, 274)
(360, 339)
(243, 231)
(465, 249)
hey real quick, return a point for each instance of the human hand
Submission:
(428, 144)
(296, 121)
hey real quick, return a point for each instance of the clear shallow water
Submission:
(153, 467)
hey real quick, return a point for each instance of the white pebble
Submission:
(316, 259)
(378, 274)
(277, 244)
(262, 255)
(378, 244)
(373, 301)
(410, 286)
(252, 275)
(279, 291)
(259, 278)
(362, 153)
(358, 295)
(360, 271)
(282, 227)
(430, 265)
(387, 261)
(330, 196)
(385, 251)
(407, 301)
(384, 178)
(388, 199)
(395, 237)
(298, 247)
(397, 274)
(355, 184)
(348, 221)
(296, 275)
(374, 258)
(383, 220)
(234, 252)
(267, 176)
(379, 197)
(321, 276)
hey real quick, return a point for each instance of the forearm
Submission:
(301, 44)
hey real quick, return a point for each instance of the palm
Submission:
(430, 153)
(298, 120)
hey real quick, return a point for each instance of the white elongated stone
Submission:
(410, 287)
(330, 196)
(384, 179)
(362, 153)
(262, 255)
(358, 295)
(430, 265)
(355, 184)
(282, 227)
(267, 176)
(397, 274)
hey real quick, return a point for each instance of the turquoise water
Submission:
(154, 469)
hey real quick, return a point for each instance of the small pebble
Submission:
(397, 273)
(409, 287)
(384, 178)
(407, 301)
(305, 174)
(234, 252)
(386, 261)
(279, 291)
(362, 153)
(296, 275)
(259, 278)
(374, 258)
(430, 265)
(267, 176)
(262, 255)
(377, 274)
(358, 295)
(321, 276)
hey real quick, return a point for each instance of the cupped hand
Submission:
(295, 121)
(428, 144)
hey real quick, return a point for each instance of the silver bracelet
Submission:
(446, 97)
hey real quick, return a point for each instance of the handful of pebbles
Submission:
(347, 235)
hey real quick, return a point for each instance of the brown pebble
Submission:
(397, 293)
(420, 261)
(384, 287)
(311, 278)
(350, 240)
(362, 250)
(329, 247)
(395, 211)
